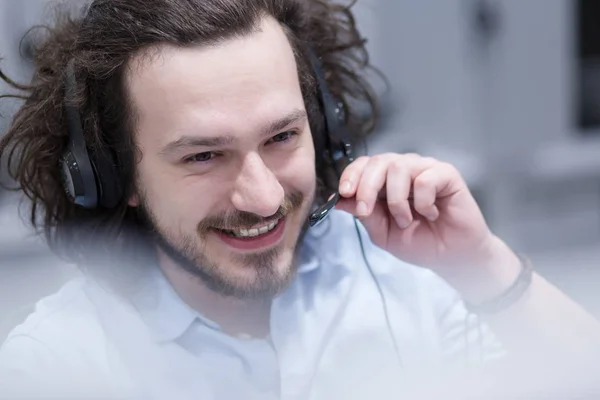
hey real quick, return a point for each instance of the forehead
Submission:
(227, 88)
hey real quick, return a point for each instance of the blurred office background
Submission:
(507, 90)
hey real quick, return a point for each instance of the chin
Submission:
(251, 275)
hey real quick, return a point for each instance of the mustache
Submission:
(243, 219)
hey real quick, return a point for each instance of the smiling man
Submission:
(174, 151)
(234, 147)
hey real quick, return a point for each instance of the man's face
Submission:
(227, 174)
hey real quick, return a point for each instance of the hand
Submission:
(418, 209)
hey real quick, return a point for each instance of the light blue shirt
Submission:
(329, 338)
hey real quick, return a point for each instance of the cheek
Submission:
(153, 179)
(192, 200)
(305, 171)
(305, 176)
(298, 170)
(178, 204)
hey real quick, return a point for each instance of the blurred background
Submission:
(507, 90)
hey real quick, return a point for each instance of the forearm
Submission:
(544, 321)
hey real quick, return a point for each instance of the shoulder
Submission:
(62, 336)
(343, 240)
(431, 301)
(60, 318)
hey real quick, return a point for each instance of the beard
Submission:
(266, 278)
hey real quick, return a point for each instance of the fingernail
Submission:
(361, 208)
(403, 223)
(432, 217)
(346, 187)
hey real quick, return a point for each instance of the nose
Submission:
(257, 189)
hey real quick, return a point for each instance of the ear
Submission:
(134, 200)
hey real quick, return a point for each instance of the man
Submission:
(202, 278)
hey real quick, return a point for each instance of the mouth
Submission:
(252, 232)
(255, 238)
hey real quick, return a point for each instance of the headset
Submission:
(334, 143)
(90, 176)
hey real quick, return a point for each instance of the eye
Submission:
(282, 137)
(200, 157)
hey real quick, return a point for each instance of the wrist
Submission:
(494, 272)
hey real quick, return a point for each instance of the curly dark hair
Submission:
(100, 40)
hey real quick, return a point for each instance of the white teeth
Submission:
(254, 231)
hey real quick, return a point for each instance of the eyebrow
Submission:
(194, 141)
(293, 117)
(272, 128)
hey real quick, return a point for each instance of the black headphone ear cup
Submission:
(319, 132)
(333, 145)
(110, 189)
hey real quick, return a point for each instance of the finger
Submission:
(351, 175)
(432, 184)
(424, 189)
(398, 183)
(371, 182)
(348, 205)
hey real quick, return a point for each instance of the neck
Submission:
(234, 316)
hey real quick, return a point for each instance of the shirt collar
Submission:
(309, 257)
(161, 308)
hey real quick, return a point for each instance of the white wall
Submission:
(501, 111)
